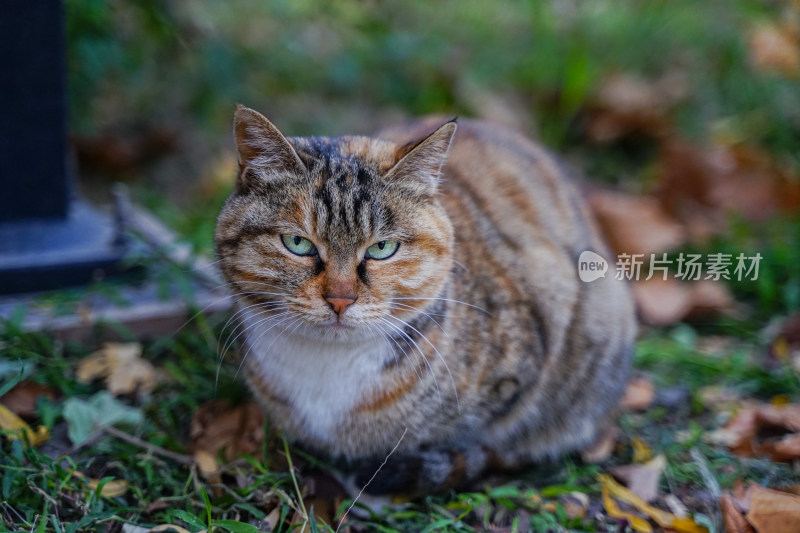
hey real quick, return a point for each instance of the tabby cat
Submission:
(420, 287)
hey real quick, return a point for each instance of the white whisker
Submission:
(441, 357)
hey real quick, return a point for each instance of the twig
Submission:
(157, 450)
(370, 480)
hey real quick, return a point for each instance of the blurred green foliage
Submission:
(301, 60)
(351, 66)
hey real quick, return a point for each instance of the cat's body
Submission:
(474, 340)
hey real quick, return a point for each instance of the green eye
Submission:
(382, 250)
(298, 245)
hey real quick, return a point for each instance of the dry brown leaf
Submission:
(732, 520)
(772, 511)
(642, 480)
(19, 429)
(22, 398)
(121, 365)
(702, 185)
(775, 49)
(662, 302)
(635, 224)
(785, 347)
(709, 298)
(665, 301)
(639, 394)
(625, 104)
(236, 429)
(763, 429)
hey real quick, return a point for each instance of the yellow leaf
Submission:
(165, 528)
(662, 518)
(112, 489)
(19, 428)
(641, 450)
(637, 523)
(207, 464)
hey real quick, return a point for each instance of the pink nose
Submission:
(339, 304)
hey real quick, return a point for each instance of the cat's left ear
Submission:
(421, 166)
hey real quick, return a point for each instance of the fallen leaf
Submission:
(22, 398)
(642, 452)
(168, 528)
(643, 479)
(122, 366)
(662, 302)
(209, 469)
(112, 488)
(732, 520)
(662, 518)
(236, 429)
(772, 511)
(666, 301)
(709, 298)
(635, 224)
(639, 394)
(703, 185)
(637, 523)
(625, 104)
(87, 417)
(19, 429)
(785, 347)
(775, 49)
(123, 151)
(763, 429)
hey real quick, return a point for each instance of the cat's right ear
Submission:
(261, 147)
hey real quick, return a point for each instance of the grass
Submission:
(344, 67)
(40, 493)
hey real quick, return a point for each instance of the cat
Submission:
(420, 288)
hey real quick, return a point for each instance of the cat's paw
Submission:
(411, 473)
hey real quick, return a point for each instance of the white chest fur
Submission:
(323, 379)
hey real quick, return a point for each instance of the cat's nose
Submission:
(338, 303)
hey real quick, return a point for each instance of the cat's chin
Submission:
(342, 331)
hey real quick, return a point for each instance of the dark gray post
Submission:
(33, 128)
(48, 239)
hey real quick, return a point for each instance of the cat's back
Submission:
(499, 183)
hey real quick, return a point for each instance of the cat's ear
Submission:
(420, 164)
(261, 146)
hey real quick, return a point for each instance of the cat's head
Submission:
(340, 237)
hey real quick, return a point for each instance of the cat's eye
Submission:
(298, 245)
(382, 250)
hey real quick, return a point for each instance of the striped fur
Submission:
(475, 338)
